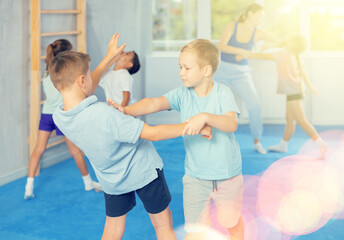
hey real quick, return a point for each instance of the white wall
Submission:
(326, 73)
(13, 86)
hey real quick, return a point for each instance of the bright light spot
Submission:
(299, 212)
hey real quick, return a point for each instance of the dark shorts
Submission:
(47, 124)
(295, 96)
(155, 197)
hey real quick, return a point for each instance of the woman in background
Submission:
(239, 38)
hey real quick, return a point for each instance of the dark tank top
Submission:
(226, 57)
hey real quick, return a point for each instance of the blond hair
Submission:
(207, 53)
(66, 67)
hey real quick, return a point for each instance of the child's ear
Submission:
(207, 70)
(81, 81)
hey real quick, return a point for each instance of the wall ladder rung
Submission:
(47, 34)
(55, 143)
(60, 11)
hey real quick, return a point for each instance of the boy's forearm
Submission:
(225, 123)
(162, 132)
(99, 71)
(143, 107)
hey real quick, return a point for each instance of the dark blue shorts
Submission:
(155, 197)
(47, 124)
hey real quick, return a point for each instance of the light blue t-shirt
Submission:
(53, 96)
(219, 158)
(110, 139)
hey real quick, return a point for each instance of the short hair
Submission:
(66, 67)
(207, 53)
(136, 64)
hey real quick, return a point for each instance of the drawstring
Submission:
(214, 185)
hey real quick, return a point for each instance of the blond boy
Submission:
(212, 168)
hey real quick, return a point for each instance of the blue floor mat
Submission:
(63, 210)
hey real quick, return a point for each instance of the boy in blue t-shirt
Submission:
(212, 168)
(116, 145)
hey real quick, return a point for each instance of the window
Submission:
(282, 17)
(327, 27)
(174, 23)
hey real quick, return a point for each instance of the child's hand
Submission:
(116, 105)
(239, 57)
(207, 132)
(315, 91)
(113, 49)
(264, 47)
(194, 125)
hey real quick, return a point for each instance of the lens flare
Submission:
(299, 212)
(282, 184)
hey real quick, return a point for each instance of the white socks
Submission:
(322, 147)
(29, 188)
(90, 184)
(259, 148)
(281, 147)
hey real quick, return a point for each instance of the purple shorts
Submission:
(47, 124)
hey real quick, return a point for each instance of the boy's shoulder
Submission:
(222, 88)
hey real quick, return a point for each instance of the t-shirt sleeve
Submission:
(124, 127)
(174, 98)
(227, 101)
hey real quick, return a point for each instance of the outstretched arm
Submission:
(113, 51)
(144, 106)
(263, 56)
(305, 77)
(273, 40)
(163, 132)
(227, 122)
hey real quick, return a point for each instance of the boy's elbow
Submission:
(233, 126)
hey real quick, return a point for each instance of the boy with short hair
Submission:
(124, 163)
(118, 82)
(212, 168)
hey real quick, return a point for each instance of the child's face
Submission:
(190, 72)
(126, 58)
